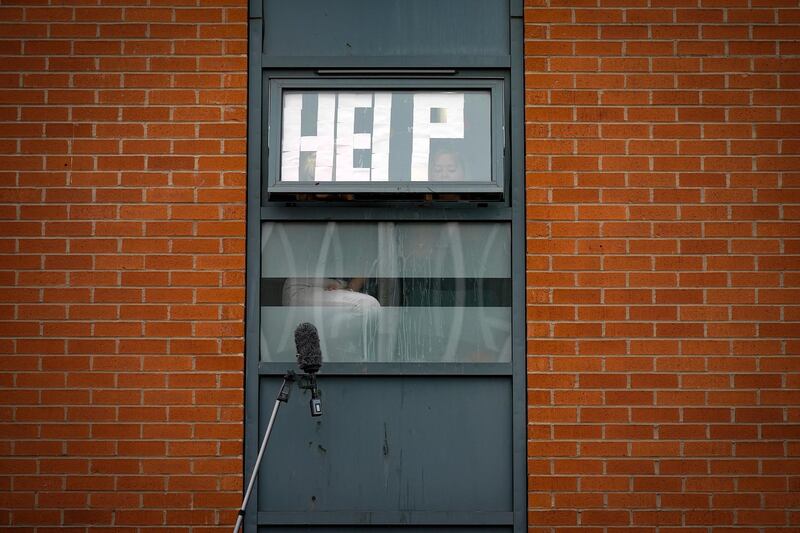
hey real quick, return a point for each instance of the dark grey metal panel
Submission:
(391, 444)
(385, 65)
(388, 519)
(386, 27)
(253, 273)
(393, 369)
(254, 9)
(361, 44)
(378, 529)
(409, 212)
(518, 245)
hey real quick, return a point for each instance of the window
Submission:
(386, 206)
(388, 291)
(386, 137)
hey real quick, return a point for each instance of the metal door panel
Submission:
(379, 529)
(391, 443)
(386, 27)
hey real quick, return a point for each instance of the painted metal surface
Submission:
(386, 27)
(392, 443)
(383, 529)
(305, 50)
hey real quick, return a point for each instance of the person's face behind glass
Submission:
(447, 167)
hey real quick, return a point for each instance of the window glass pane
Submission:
(386, 136)
(388, 291)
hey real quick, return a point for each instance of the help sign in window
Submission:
(386, 136)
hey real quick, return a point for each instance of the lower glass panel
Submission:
(392, 334)
(388, 291)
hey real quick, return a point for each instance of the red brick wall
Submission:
(122, 141)
(663, 264)
(663, 255)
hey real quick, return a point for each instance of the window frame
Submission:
(275, 189)
(466, 224)
(262, 66)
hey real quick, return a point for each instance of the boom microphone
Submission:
(309, 355)
(309, 359)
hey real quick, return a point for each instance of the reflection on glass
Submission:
(374, 136)
(388, 292)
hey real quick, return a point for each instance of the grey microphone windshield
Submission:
(309, 355)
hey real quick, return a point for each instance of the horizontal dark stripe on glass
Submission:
(416, 292)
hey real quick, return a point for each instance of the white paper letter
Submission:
(292, 142)
(347, 140)
(424, 129)
(381, 130)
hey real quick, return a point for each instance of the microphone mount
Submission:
(304, 381)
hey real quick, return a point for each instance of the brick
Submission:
(661, 251)
(82, 256)
(708, 265)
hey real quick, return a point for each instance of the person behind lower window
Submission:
(352, 327)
